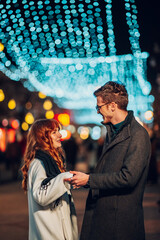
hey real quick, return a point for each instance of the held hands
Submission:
(78, 180)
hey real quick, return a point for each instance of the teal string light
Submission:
(110, 30)
(60, 48)
(131, 19)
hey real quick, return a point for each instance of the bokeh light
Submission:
(12, 104)
(1, 47)
(15, 124)
(5, 122)
(2, 96)
(29, 118)
(84, 133)
(49, 114)
(148, 115)
(28, 105)
(25, 126)
(64, 119)
(47, 105)
(66, 134)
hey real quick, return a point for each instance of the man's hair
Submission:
(113, 92)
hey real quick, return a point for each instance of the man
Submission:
(114, 206)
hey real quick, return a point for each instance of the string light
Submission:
(47, 105)
(41, 95)
(110, 30)
(59, 47)
(49, 114)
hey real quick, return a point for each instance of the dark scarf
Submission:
(114, 132)
(49, 164)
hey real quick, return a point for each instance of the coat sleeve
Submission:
(135, 161)
(50, 192)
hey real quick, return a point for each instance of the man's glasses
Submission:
(99, 107)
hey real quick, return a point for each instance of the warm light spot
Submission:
(29, 118)
(41, 95)
(2, 96)
(65, 134)
(2, 140)
(156, 127)
(11, 135)
(1, 47)
(71, 128)
(148, 115)
(12, 104)
(47, 105)
(5, 122)
(49, 114)
(64, 119)
(25, 126)
(28, 105)
(15, 124)
(84, 134)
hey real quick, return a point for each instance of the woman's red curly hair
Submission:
(39, 138)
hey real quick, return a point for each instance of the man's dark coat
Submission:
(114, 206)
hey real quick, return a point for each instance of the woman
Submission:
(51, 210)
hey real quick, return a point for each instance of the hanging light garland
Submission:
(59, 47)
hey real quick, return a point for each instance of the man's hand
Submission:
(78, 180)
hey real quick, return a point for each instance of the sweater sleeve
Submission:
(135, 161)
(54, 189)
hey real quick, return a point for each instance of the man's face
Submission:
(104, 110)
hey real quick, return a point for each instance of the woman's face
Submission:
(56, 138)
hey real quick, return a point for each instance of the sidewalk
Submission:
(152, 212)
(14, 212)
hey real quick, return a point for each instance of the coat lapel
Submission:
(123, 135)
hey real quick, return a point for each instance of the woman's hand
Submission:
(78, 180)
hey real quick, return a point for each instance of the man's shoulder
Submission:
(137, 129)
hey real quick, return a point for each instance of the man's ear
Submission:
(113, 106)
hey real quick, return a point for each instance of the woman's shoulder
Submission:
(35, 165)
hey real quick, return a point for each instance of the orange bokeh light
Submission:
(15, 124)
(11, 135)
(65, 134)
(2, 140)
(64, 119)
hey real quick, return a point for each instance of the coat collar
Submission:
(123, 135)
(120, 137)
